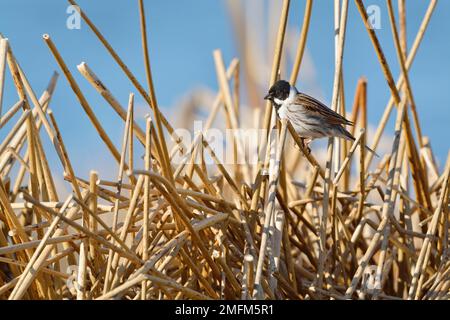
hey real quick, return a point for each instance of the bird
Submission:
(310, 118)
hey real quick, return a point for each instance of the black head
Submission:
(280, 90)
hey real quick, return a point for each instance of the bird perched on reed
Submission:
(310, 118)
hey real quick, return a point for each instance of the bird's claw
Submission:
(307, 150)
(305, 146)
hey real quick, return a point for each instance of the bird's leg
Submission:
(306, 142)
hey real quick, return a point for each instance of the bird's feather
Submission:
(317, 108)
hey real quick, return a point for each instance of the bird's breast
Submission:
(305, 123)
(283, 111)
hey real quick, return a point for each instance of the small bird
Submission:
(310, 118)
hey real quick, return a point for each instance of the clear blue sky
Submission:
(182, 36)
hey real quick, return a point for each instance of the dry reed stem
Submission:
(3, 51)
(100, 87)
(229, 106)
(153, 103)
(268, 107)
(387, 205)
(417, 41)
(19, 287)
(103, 135)
(419, 178)
(358, 141)
(269, 211)
(415, 289)
(130, 75)
(10, 113)
(301, 42)
(401, 59)
(340, 39)
(18, 141)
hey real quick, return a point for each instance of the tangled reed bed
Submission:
(285, 228)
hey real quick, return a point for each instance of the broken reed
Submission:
(287, 229)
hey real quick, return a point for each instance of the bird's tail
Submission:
(374, 153)
(347, 135)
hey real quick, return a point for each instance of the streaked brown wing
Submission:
(315, 106)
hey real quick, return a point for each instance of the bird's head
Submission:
(279, 92)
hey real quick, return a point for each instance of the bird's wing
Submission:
(316, 107)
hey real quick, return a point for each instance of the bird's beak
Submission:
(268, 97)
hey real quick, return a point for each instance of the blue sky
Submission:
(182, 36)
